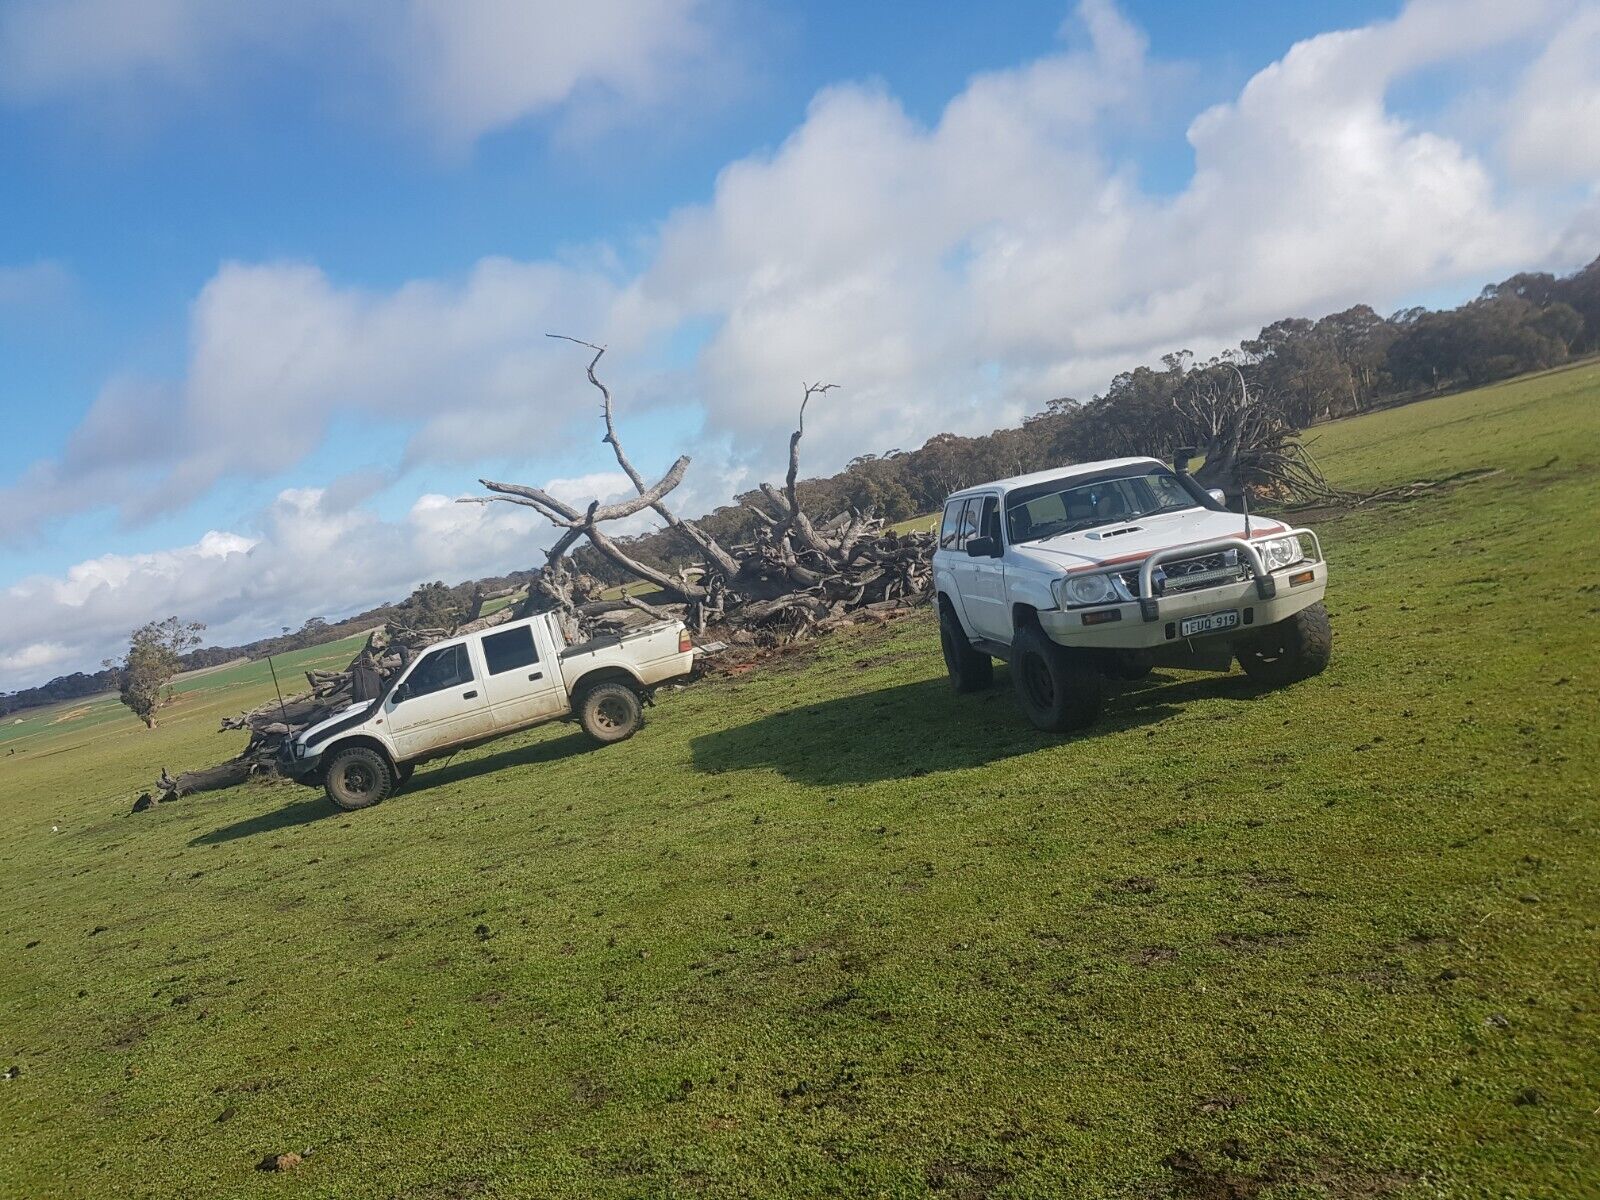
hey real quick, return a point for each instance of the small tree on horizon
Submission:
(155, 653)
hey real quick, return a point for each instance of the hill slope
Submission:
(832, 928)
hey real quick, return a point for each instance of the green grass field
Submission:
(829, 929)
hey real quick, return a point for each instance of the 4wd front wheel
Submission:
(611, 712)
(1289, 650)
(358, 777)
(969, 669)
(1058, 691)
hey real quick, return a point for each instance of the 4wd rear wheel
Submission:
(970, 670)
(611, 712)
(358, 777)
(1058, 691)
(1289, 650)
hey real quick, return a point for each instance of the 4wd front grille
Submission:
(1192, 574)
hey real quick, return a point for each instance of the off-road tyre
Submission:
(969, 669)
(1289, 650)
(358, 777)
(1058, 691)
(610, 712)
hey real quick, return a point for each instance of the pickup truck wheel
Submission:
(1289, 650)
(1057, 691)
(970, 671)
(358, 778)
(611, 712)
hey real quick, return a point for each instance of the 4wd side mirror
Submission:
(1220, 496)
(983, 547)
(400, 694)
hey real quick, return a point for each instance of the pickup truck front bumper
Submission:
(1131, 630)
(304, 769)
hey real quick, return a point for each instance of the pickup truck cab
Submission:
(1104, 570)
(481, 686)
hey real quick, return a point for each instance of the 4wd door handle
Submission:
(472, 695)
(536, 675)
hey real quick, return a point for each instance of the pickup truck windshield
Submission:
(1047, 510)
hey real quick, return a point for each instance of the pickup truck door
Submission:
(439, 704)
(522, 678)
(983, 580)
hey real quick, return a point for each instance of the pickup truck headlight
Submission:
(1082, 591)
(1280, 552)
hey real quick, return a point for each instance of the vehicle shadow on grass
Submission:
(302, 812)
(923, 728)
(448, 771)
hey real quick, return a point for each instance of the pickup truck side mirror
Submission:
(983, 547)
(1220, 496)
(401, 694)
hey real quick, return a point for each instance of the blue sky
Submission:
(275, 273)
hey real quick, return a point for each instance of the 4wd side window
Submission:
(969, 523)
(446, 667)
(509, 650)
(989, 519)
(950, 533)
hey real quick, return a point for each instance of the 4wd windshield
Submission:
(1047, 510)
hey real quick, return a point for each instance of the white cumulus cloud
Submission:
(307, 560)
(459, 68)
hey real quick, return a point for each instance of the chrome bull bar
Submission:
(1266, 585)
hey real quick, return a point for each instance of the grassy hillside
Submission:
(830, 929)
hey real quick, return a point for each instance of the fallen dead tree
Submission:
(795, 578)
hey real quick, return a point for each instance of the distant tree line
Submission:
(1308, 370)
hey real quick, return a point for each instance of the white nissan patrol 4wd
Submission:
(485, 685)
(1104, 570)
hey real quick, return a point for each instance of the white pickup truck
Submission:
(482, 686)
(1106, 569)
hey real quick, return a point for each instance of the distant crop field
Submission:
(830, 929)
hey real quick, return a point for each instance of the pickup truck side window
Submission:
(950, 531)
(509, 650)
(446, 667)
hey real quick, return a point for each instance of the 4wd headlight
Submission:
(1078, 591)
(1280, 552)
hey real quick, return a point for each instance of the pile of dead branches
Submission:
(794, 579)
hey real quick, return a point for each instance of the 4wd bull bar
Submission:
(1266, 585)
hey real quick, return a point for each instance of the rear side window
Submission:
(989, 519)
(950, 534)
(969, 522)
(440, 669)
(509, 650)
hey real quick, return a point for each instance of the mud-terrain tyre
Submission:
(969, 669)
(610, 712)
(358, 777)
(1289, 650)
(1058, 691)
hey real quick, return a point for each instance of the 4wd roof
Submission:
(1067, 472)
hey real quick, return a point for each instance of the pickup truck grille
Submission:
(1193, 574)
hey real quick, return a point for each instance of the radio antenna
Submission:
(284, 712)
(1244, 496)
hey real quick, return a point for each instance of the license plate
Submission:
(1209, 623)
